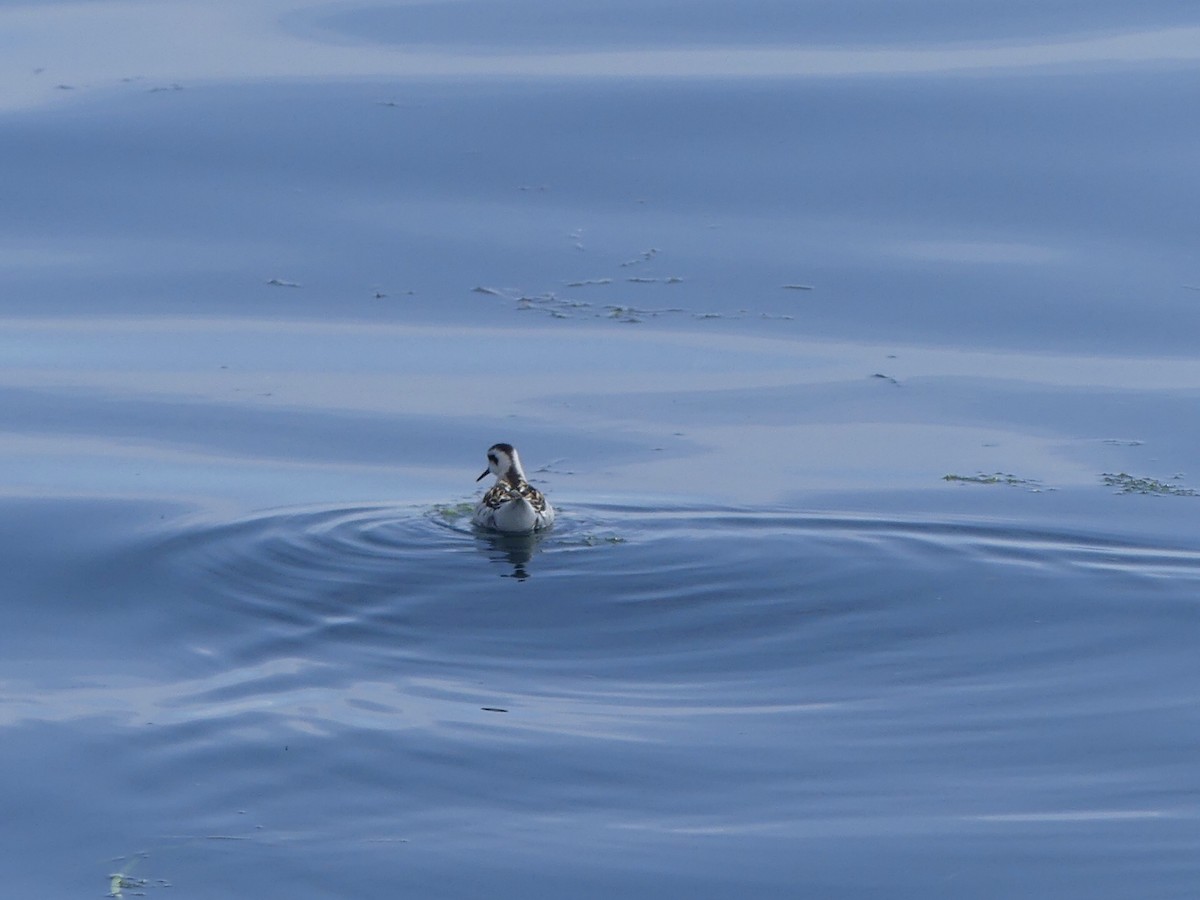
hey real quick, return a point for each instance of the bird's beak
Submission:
(484, 475)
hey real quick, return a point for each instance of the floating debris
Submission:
(493, 709)
(593, 540)
(120, 882)
(886, 378)
(551, 305)
(673, 279)
(452, 512)
(279, 282)
(621, 310)
(1130, 484)
(995, 478)
(644, 256)
(556, 307)
(551, 468)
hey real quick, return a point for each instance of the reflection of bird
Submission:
(515, 550)
(512, 504)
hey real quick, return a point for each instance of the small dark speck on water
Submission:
(493, 709)
(886, 378)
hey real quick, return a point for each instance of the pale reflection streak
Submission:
(92, 45)
(857, 825)
(793, 359)
(288, 693)
(976, 252)
(1165, 45)
(1075, 815)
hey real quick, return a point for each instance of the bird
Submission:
(512, 504)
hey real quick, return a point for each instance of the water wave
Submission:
(626, 596)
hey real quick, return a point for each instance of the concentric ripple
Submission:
(615, 596)
(641, 680)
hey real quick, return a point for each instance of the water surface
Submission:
(745, 283)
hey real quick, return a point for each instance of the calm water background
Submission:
(744, 282)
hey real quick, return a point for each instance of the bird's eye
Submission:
(492, 458)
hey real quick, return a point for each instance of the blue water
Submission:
(333, 699)
(745, 283)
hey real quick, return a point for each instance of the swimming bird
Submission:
(512, 504)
